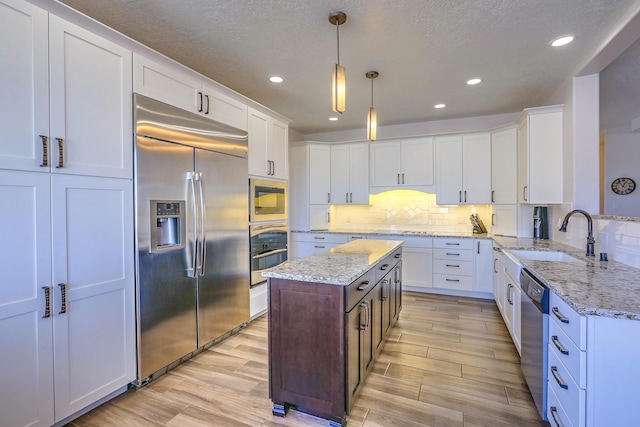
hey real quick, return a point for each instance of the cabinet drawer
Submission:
(387, 264)
(555, 412)
(450, 281)
(360, 287)
(458, 268)
(571, 397)
(449, 243)
(304, 249)
(568, 353)
(321, 237)
(569, 320)
(453, 254)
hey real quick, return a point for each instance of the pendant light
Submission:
(372, 117)
(338, 84)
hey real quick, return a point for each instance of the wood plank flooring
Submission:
(449, 361)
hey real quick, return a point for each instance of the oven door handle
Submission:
(265, 254)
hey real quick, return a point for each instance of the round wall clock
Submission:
(623, 186)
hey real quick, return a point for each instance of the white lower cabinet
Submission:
(305, 244)
(507, 296)
(592, 371)
(483, 265)
(67, 295)
(453, 264)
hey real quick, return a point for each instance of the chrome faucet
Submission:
(590, 240)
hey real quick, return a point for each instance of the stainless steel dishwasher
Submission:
(535, 329)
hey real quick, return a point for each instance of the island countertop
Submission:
(338, 266)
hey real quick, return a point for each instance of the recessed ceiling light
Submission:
(439, 105)
(473, 81)
(333, 119)
(561, 41)
(276, 79)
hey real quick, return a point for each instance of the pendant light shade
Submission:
(338, 80)
(372, 117)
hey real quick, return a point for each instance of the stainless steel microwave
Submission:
(267, 200)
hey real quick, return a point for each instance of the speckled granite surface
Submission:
(337, 266)
(595, 288)
(408, 233)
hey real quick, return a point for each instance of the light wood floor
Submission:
(449, 361)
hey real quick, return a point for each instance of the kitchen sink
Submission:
(544, 256)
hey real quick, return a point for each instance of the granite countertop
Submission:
(338, 266)
(592, 288)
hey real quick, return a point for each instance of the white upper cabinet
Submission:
(350, 173)
(504, 167)
(268, 146)
(66, 97)
(185, 90)
(405, 163)
(463, 167)
(309, 186)
(540, 155)
(319, 174)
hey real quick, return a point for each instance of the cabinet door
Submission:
(167, 84)
(523, 161)
(417, 162)
(26, 360)
(319, 174)
(224, 109)
(504, 167)
(356, 321)
(449, 170)
(94, 326)
(24, 85)
(340, 174)
(277, 145)
(91, 106)
(505, 220)
(359, 173)
(483, 267)
(417, 267)
(476, 168)
(385, 164)
(545, 158)
(258, 128)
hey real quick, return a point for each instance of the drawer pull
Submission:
(452, 280)
(554, 412)
(558, 378)
(364, 285)
(560, 347)
(318, 238)
(318, 246)
(559, 315)
(453, 265)
(452, 244)
(384, 267)
(452, 254)
(398, 255)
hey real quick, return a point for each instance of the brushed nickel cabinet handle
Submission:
(364, 285)
(60, 153)
(465, 196)
(493, 219)
(460, 196)
(385, 284)
(328, 197)
(452, 254)
(328, 217)
(559, 346)
(350, 197)
(453, 265)
(398, 178)
(346, 197)
(363, 310)
(201, 102)
(478, 247)
(554, 411)
(63, 294)
(45, 151)
(206, 97)
(559, 315)
(493, 194)
(47, 302)
(384, 267)
(558, 378)
(524, 193)
(495, 261)
(403, 178)
(452, 280)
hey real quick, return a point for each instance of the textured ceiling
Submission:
(424, 50)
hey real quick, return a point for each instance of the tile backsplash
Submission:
(408, 210)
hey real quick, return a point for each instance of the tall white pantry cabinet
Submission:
(67, 315)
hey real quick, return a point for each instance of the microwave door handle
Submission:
(266, 254)
(203, 221)
(191, 270)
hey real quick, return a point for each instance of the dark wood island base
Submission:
(324, 337)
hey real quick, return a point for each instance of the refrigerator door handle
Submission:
(191, 271)
(203, 221)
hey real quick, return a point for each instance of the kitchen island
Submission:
(328, 318)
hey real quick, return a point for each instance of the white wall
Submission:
(623, 155)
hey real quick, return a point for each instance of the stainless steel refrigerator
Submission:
(192, 232)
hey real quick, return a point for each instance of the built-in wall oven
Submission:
(268, 248)
(267, 200)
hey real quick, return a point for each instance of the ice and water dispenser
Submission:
(168, 228)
